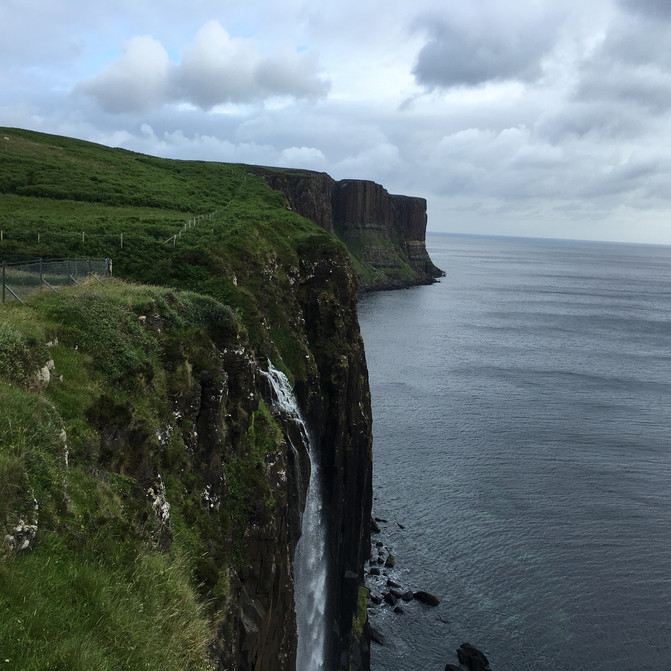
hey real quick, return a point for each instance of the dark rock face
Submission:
(258, 632)
(220, 405)
(339, 413)
(384, 231)
(308, 193)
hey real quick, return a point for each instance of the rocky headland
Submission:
(385, 233)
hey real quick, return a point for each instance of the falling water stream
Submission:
(310, 566)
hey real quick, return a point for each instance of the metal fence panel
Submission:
(21, 279)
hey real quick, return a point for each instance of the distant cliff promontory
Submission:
(384, 233)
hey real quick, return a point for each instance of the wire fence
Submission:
(20, 280)
(23, 278)
(27, 233)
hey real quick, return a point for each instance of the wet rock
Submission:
(379, 544)
(392, 583)
(389, 561)
(472, 658)
(390, 598)
(379, 519)
(453, 667)
(398, 610)
(374, 527)
(375, 598)
(427, 598)
(20, 540)
(374, 571)
(376, 636)
(407, 596)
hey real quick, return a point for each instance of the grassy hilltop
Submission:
(105, 585)
(60, 188)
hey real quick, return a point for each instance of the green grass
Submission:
(119, 608)
(360, 616)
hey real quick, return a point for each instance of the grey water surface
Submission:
(522, 437)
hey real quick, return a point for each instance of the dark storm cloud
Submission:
(655, 9)
(629, 71)
(468, 49)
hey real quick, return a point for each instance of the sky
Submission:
(542, 118)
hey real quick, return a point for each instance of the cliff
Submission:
(152, 494)
(151, 491)
(385, 233)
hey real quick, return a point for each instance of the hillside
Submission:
(65, 197)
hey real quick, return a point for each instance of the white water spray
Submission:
(310, 569)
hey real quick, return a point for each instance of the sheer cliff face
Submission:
(385, 233)
(335, 401)
(338, 403)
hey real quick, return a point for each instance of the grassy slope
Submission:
(59, 188)
(95, 592)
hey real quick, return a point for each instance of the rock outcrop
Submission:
(385, 233)
(472, 658)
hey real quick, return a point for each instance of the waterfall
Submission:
(310, 569)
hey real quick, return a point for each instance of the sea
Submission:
(522, 456)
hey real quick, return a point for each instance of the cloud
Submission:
(134, 83)
(592, 121)
(470, 45)
(626, 78)
(521, 115)
(303, 157)
(215, 69)
(654, 9)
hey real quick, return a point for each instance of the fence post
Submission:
(3, 281)
(122, 241)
